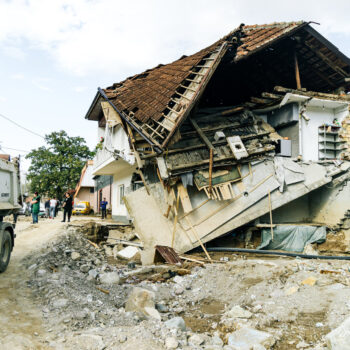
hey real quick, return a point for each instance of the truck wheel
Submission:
(5, 251)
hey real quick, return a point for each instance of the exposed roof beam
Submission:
(325, 59)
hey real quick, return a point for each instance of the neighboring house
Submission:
(84, 192)
(213, 141)
(103, 189)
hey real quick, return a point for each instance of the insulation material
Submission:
(292, 238)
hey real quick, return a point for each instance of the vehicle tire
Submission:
(5, 251)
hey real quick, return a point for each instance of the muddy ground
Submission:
(55, 295)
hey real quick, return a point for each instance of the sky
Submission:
(55, 53)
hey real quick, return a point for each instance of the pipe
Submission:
(121, 114)
(272, 252)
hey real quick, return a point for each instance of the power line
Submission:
(20, 126)
(14, 149)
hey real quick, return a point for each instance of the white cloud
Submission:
(123, 38)
(14, 52)
(80, 89)
(3, 99)
(17, 76)
(41, 83)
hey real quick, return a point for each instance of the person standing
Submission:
(47, 208)
(53, 203)
(35, 207)
(103, 206)
(67, 207)
(56, 209)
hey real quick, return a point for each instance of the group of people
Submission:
(51, 207)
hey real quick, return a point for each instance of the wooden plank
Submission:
(168, 254)
(271, 96)
(324, 58)
(297, 73)
(202, 135)
(163, 171)
(175, 219)
(198, 239)
(185, 199)
(270, 209)
(210, 188)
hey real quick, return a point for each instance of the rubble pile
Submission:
(237, 303)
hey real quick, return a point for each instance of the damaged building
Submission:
(250, 134)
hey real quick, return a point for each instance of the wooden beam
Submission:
(258, 100)
(271, 96)
(324, 58)
(202, 145)
(297, 73)
(210, 171)
(185, 198)
(202, 135)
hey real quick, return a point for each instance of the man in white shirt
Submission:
(53, 203)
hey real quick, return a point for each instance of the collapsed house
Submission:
(253, 127)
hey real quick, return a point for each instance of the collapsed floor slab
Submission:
(209, 218)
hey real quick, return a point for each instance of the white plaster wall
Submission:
(123, 178)
(309, 129)
(100, 133)
(117, 139)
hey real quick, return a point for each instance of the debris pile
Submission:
(237, 303)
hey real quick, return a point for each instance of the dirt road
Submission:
(20, 320)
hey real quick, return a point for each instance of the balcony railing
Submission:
(102, 156)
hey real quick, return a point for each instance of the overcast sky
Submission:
(55, 53)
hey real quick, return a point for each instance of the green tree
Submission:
(55, 168)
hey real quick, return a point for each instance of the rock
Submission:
(161, 308)
(291, 290)
(129, 253)
(238, 312)
(142, 300)
(93, 273)
(171, 343)
(176, 322)
(178, 290)
(75, 256)
(338, 339)
(310, 250)
(41, 272)
(109, 278)
(59, 303)
(195, 340)
(216, 340)
(310, 281)
(84, 268)
(302, 345)
(246, 338)
(122, 338)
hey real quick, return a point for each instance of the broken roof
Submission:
(155, 102)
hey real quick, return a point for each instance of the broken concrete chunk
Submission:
(247, 338)
(291, 290)
(176, 322)
(109, 278)
(338, 339)
(171, 343)
(75, 256)
(129, 253)
(142, 300)
(238, 312)
(311, 281)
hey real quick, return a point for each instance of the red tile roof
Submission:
(147, 94)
